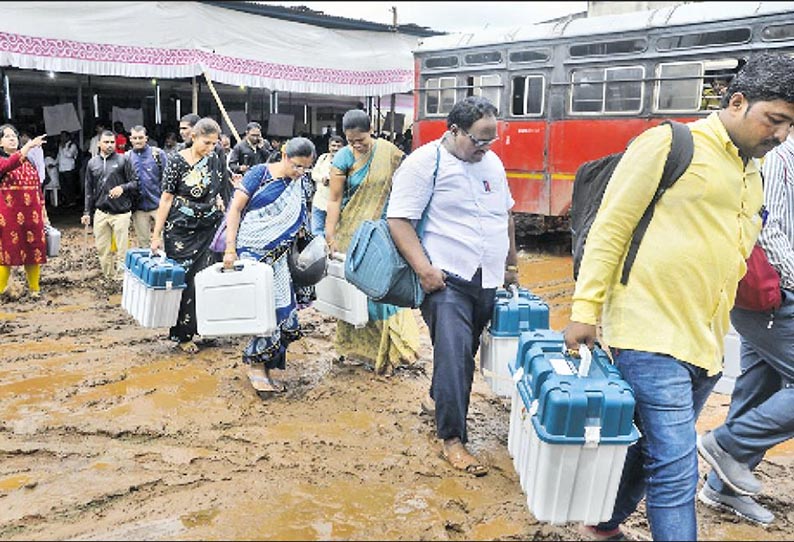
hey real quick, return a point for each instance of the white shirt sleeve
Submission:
(412, 184)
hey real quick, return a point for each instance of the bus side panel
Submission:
(574, 142)
(424, 131)
(521, 148)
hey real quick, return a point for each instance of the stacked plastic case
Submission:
(238, 301)
(514, 312)
(338, 298)
(570, 427)
(152, 288)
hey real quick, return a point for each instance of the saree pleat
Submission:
(391, 337)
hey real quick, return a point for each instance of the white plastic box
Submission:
(495, 354)
(152, 289)
(338, 298)
(575, 425)
(236, 302)
(53, 240)
(731, 363)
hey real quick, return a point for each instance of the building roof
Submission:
(303, 14)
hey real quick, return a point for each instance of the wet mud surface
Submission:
(107, 432)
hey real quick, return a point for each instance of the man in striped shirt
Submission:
(761, 413)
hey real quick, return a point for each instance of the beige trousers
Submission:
(143, 224)
(106, 228)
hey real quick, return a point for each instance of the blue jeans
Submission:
(318, 222)
(662, 465)
(761, 413)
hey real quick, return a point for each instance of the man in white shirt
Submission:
(67, 169)
(469, 251)
(321, 174)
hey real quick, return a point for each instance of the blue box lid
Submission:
(162, 274)
(512, 316)
(569, 409)
(133, 254)
(542, 340)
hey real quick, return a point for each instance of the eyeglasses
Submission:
(479, 143)
(298, 167)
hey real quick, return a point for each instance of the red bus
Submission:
(578, 89)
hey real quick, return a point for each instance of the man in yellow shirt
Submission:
(666, 326)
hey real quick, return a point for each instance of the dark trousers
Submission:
(760, 415)
(456, 317)
(69, 188)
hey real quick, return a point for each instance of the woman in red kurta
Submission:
(22, 211)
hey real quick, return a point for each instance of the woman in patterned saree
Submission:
(361, 176)
(22, 212)
(189, 214)
(267, 214)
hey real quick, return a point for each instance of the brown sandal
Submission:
(459, 457)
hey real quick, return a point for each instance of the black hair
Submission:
(106, 133)
(300, 146)
(253, 126)
(5, 126)
(764, 78)
(469, 110)
(190, 118)
(356, 119)
(206, 126)
(336, 139)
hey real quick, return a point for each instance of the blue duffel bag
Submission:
(375, 266)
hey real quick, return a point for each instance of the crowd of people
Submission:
(664, 328)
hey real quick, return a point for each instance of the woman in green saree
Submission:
(361, 175)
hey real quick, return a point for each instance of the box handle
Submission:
(238, 265)
(586, 358)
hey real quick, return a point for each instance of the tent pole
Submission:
(223, 109)
(80, 106)
(393, 105)
(195, 96)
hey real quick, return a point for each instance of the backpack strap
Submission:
(682, 149)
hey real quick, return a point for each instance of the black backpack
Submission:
(591, 180)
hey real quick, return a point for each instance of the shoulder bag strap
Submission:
(420, 228)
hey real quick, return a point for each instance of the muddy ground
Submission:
(108, 433)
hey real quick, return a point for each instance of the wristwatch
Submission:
(511, 268)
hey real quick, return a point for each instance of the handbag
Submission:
(759, 289)
(374, 265)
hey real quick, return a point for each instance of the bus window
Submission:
(587, 95)
(607, 48)
(529, 56)
(490, 57)
(701, 39)
(623, 89)
(528, 95)
(607, 90)
(778, 32)
(487, 86)
(439, 95)
(717, 74)
(679, 86)
(441, 62)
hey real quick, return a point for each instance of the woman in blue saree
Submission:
(267, 214)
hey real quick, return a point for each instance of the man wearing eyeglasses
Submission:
(466, 252)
